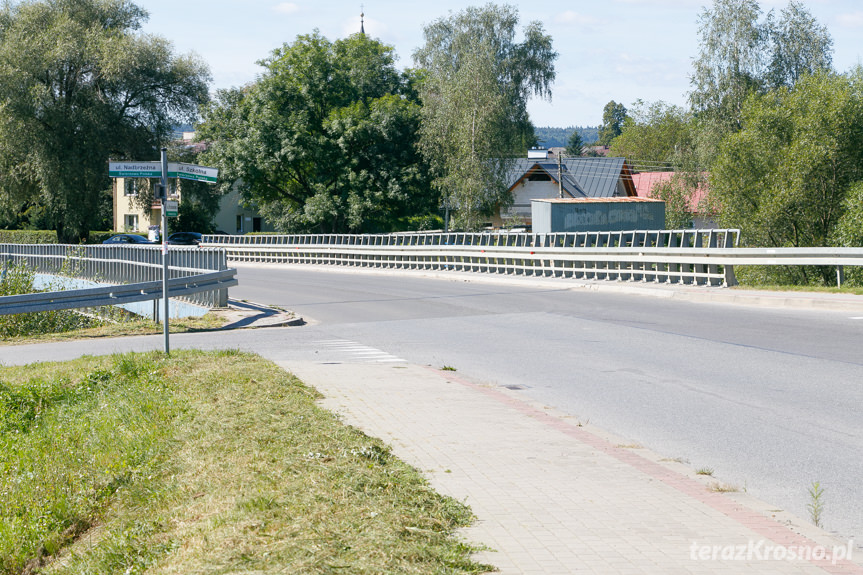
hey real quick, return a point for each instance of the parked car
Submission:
(184, 239)
(127, 239)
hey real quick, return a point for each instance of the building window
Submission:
(130, 222)
(130, 187)
(240, 224)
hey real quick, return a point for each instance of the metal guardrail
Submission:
(119, 265)
(116, 295)
(639, 255)
(693, 257)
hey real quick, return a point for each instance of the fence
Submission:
(693, 257)
(677, 256)
(134, 271)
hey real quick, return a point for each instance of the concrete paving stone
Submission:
(551, 497)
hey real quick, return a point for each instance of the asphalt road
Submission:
(769, 399)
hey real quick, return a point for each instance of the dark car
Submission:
(127, 239)
(184, 239)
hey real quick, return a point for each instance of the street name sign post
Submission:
(163, 170)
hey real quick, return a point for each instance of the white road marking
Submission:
(361, 353)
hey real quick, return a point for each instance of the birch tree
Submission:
(477, 81)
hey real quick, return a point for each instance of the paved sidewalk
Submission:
(553, 496)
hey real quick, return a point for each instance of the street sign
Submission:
(171, 207)
(193, 172)
(135, 169)
(154, 170)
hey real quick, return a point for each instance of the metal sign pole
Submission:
(166, 310)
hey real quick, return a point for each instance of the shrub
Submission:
(28, 237)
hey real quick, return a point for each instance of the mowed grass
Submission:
(215, 462)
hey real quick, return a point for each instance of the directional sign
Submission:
(135, 169)
(154, 170)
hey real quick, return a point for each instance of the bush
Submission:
(28, 237)
(45, 237)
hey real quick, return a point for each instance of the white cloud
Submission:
(286, 8)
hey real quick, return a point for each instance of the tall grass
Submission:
(204, 462)
(70, 438)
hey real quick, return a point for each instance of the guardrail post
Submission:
(840, 276)
(730, 278)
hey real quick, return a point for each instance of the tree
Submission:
(730, 64)
(477, 80)
(574, 146)
(655, 137)
(798, 46)
(613, 117)
(80, 85)
(325, 140)
(739, 55)
(678, 193)
(786, 178)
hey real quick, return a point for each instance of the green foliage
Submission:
(28, 237)
(655, 136)
(45, 237)
(613, 117)
(816, 503)
(325, 140)
(71, 439)
(80, 85)
(678, 192)
(798, 46)
(575, 145)
(791, 175)
(200, 463)
(423, 223)
(730, 62)
(474, 117)
(740, 55)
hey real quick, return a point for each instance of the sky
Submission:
(621, 50)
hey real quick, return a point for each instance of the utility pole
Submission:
(559, 175)
(164, 196)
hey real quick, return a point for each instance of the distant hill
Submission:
(549, 137)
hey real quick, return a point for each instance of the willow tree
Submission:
(477, 80)
(79, 84)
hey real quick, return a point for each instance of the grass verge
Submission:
(210, 462)
(849, 290)
(133, 326)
